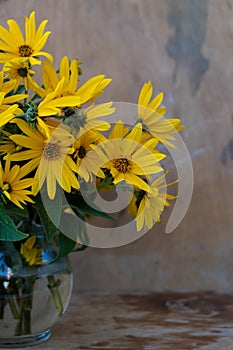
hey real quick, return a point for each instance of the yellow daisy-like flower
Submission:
(7, 146)
(14, 46)
(69, 72)
(52, 105)
(88, 118)
(6, 112)
(85, 143)
(148, 206)
(18, 70)
(90, 90)
(82, 121)
(30, 252)
(126, 159)
(150, 114)
(5, 88)
(118, 131)
(49, 153)
(13, 186)
(6, 85)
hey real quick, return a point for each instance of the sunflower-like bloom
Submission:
(148, 206)
(126, 159)
(6, 112)
(14, 46)
(52, 104)
(49, 153)
(120, 131)
(82, 121)
(13, 186)
(85, 143)
(30, 252)
(6, 86)
(18, 70)
(7, 146)
(7, 100)
(90, 90)
(150, 114)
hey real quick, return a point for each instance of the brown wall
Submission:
(185, 47)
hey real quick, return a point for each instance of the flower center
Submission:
(73, 117)
(52, 151)
(68, 112)
(22, 72)
(122, 165)
(25, 50)
(82, 152)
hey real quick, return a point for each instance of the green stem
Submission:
(24, 325)
(18, 329)
(13, 307)
(27, 304)
(21, 115)
(53, 286)
(11, 292)
(27, 317)
(129, 131)
(34, 97)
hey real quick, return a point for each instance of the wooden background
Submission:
(185, 47)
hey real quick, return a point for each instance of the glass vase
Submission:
(31, 297)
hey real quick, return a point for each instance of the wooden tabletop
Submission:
(152, 321)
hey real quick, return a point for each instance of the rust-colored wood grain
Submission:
(200, 321)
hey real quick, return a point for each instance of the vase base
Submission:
(25, 340)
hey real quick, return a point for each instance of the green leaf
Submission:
(8, 230)
(84, 208)
(13, 256)
(66, 245)
(53, 206)
(73, 230)
(16, 213)
(49, 226)
(73, 226)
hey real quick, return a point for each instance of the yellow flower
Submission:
(92, 88)
(52, 104)
(148, 206)
(30, 252)
(6, 112)
(118, 131)
(48, 151)
(69, 72)
(84, 144)
(12, 186)
(7, 145)
(87, 119)
(6, 101)
(150, 114)
(126, 159)
(18, 70)
(6, 86)
(81, 121)
(14, 46)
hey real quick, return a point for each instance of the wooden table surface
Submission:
(145, 321)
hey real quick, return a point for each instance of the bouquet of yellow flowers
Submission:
(53, 140)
